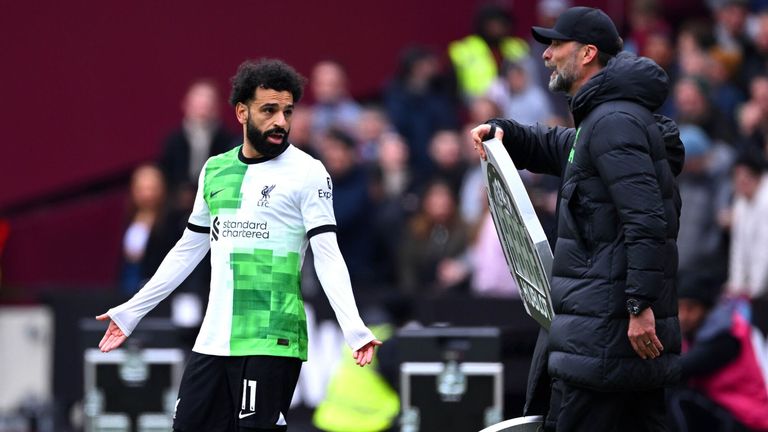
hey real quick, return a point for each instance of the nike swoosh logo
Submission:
(213, 194)
(242, 416)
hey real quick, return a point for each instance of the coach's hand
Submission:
(478, 135)
(642, 335)
(364, 355)
(113, 337)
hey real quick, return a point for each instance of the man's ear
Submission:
(241, 112)
(590, 53)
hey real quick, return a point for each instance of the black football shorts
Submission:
(231, 394)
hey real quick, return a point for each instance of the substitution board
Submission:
(522, 238)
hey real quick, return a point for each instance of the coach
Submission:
(615, 339)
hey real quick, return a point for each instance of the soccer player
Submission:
(257, 208)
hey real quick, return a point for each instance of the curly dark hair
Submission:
(268, 74)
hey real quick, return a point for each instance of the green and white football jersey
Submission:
(260, 215)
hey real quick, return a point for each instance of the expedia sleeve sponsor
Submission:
(327, 194)
(244, 229)
(317, 198)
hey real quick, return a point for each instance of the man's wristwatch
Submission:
(635, 306)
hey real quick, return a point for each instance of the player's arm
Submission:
(177, 265)
(320, 223)
(334, 278)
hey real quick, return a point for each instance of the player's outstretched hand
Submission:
(364, 355)
(113, 337)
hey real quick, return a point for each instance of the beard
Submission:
(559, 82)
(259, 142)
(563, 80)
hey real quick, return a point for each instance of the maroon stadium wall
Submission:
(91, 88)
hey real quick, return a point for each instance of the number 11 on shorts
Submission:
(252, 385)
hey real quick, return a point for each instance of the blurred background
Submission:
(112, 109)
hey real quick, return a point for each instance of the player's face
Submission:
(561, 56)
(269, 121)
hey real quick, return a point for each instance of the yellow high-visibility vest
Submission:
(358, 399)
(474, 62)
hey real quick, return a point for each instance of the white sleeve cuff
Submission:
(334, 278)
(177, 265)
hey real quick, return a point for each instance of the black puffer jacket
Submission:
(617, 225)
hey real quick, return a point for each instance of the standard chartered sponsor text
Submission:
(244, 229)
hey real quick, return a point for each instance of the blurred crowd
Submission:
(409, 199)
(409, 196)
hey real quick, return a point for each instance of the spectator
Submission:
(702, 58)
(757, 64)
(645, 18)
(693, 106)
(725, 95)
(491, 276)
(748, 277)
(518, 97)
(448, 158)
(472, 196)
(301, 130)
(730, 29)
(753, 116)
(351, 203)
(373, 124)
(543, 190)
(695, 34)
(694, 40)
(200, 136)
(333, 108)
(723, 387)
(660, 48)
(395, 197)
(186, 149)
(431, 257)
(147, 198)
(393, 179)
(481, 107)
(418, 103)
(477, 58)
(705, 193)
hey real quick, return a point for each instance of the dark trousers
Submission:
(574, 409)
